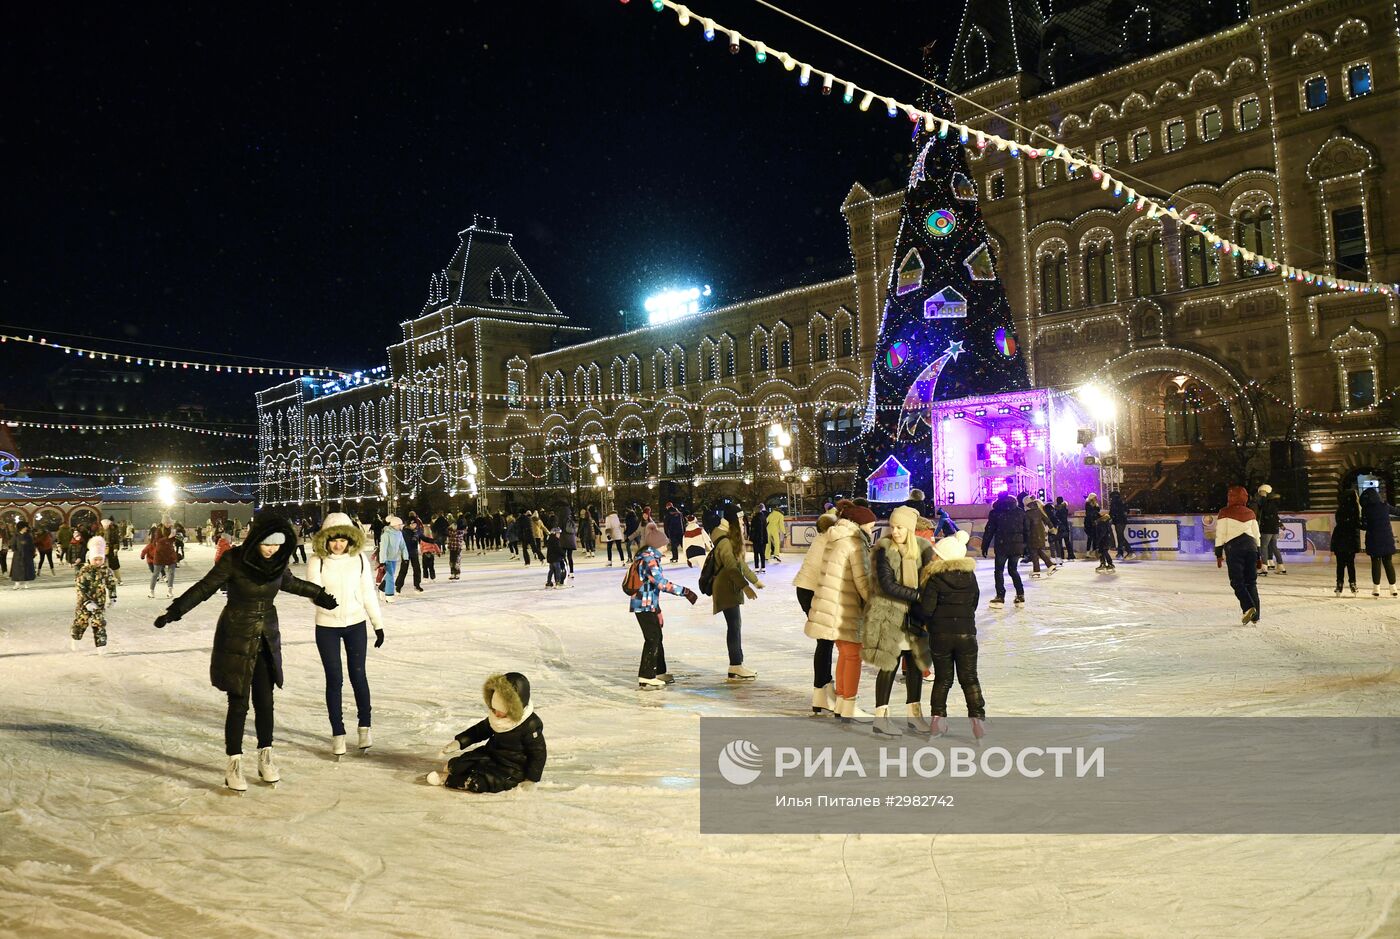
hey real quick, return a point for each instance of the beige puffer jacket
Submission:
(837, 607)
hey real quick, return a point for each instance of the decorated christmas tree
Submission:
(947, 330)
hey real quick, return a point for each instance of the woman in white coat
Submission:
(613, 532)
(807, 580)
(838, 606)
(346, 573)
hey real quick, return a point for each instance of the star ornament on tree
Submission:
(954, 349)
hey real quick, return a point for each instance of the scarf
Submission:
(502, 725)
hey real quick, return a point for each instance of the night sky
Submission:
(279, 181)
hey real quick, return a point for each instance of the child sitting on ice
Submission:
(97, 586)
(513, 753)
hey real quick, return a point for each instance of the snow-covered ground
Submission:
(114, 822)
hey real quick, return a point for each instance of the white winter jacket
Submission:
(809, 575)
(1228, 529)
(696, 536)
(612, 527)
(350, 579)
(844, 585)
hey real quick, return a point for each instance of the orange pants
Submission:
(847, 668)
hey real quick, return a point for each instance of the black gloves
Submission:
(325, 601)
(162, 620)
(378, 638)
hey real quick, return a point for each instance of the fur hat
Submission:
(96, 548)
(905, 517)
(509, 693)
(859, 514)
(952, 547)
(655, 536)
(1265, 489)
(916, 495)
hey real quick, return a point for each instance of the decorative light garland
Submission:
(157, 362)
(144, 425)
(1057, 151)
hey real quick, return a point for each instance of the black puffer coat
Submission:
(1346, 529)
(508, 757)
(253, 582)
(1008, 529)
(948, 596)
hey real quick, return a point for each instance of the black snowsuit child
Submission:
(554, 554)
(947, 609)
(514, 748)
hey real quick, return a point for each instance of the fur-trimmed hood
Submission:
(514, 689)
(261, 569)
(338, 524)
(938, 565)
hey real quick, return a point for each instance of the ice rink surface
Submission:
(114, 821)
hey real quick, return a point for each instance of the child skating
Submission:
(512, 749)
(947, 608)
(97, 589)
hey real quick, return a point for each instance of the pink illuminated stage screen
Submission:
(1020, 441)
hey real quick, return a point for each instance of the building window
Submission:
(1099, 278)
(632, 455)
(763, 357)
(1050, 172)
(1247, 114)
(1315, 92)
(1072, 169)
(1211, 124)
(1349, 242)
(996, 186)
(726, 450)
(1361, 389)
(675, 453)
(823, 346)
(513, 392)
(1175, 135)
(848, 341)
(558, 472)
(1108, 153)
(1202, 262)
(1182, 410)
(729, 361)
(839, 433)
(785, 352)
(1054, 282)
(1149, 264)
(1256, 233)
(1142, 145)
(1359, 80)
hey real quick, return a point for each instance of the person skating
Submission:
(554, 557)
(1266, 510)
(538, 530)
(1103, 542)
(512, 751)
(568, 537)
(695, 541)
(1380, 539)
(112, 535)
(456, 537)
(428, 550)
(1040, 529)
(338, 565)
(776, 528)
(645, 604)
(97, 588)
(162, 558)
(1118, 515)
(674, 523)
(758, 537)
(806, 582)
(733, 581)
(247, 655)
(838, 605)
(412, 531)
(43, 546)
(587, 532)
(1237, 548)
(614, 533)
(888, 639)
(393, 553)
(1064, 535)
(22, 561)
(947, 609)
(944, 525)
(1346, 536)
(1007, 534)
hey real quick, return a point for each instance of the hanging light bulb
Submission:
(826, 83)
(734, 40)
(709, 27)
(683, 15)
(928, 123)
(942, 128)
(865, 102)
(789, 63)
(850, 94)
(890, 109)
(804, 77)
(760, 53)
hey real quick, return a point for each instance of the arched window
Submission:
(974, 57)
(678, 365)
(823, 346)
(730, 365)
(1256, 233)
(517, 460)
(1200, 259)
(848, 340)
(498, 285)
(1054, 281)
(763, 362)
(1182, 406)
(1100, 278)
(839, 430)
(785, 352)
(519, 290)
(1149, 264)
(515, 383)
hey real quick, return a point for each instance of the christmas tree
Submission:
(947, 331)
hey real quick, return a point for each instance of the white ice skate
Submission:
(233, 776)
(938, 726)
(824, 700)
(267, 770)
(649, 684)
(436, 779)
(740, 673)
(665, 678)
(846, 712)
(915, 720)
(366, 738)
(338, 745)
(883, 724)
(1393, 591)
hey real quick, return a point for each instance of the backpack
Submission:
(707, 574)
(632, 580)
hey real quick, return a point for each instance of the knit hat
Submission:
(394, 522)
(905, 517)
(953, 547)
(859, 514)
(275, 538)
(655, 536)
(1265, 489)
(96, 548)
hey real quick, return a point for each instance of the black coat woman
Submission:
(247, 656)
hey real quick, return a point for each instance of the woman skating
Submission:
(339, 567)
(1237, 547)
(807, 580)
(1380, 540)
(247, 654)
(646, 606)
(22, 564)
(838, 604)
(734, 581)
(887, 640)
(1346, 536)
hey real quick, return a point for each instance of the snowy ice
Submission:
(114, 821)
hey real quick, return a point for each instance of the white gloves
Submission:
(453, 747)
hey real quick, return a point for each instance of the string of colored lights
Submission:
(160, 362)
(1108, 179)
(140, 425)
